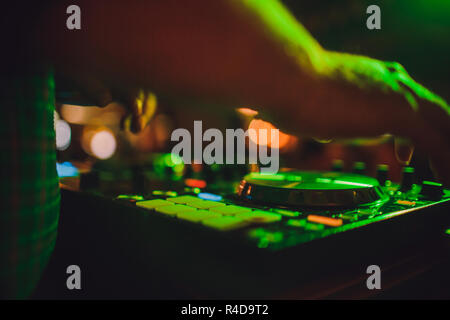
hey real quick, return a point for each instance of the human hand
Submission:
(139, 104)
(363, 97)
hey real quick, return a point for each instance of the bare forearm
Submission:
(236, 51)
(245, 53)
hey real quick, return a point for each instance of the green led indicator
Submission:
(197, 190)
(262, 176)
(130, 196)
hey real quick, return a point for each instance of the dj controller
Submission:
(260, 234)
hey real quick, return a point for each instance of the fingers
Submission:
(433, 108)
(439, 166)
(432, 142)
(403, 150)
(431, 127)
(441, 170)
(141, 106)
(438, 116)
(149, 105)
(135, 106)
(429, 139)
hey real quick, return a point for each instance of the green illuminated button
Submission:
(174, 209)
(152, 204)
(259, 216)
(314, 226)
(297, 223)
(287, 213)
(365, 212)
(347, 216)
(305, 225)
(130, 197)
(265, 238)
(224, 223)
(230, 210)
(183, 199)
(205, 204)
(197, 215)
(270, 236)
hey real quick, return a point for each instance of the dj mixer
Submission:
(259, 234)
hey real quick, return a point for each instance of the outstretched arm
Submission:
(247, 53)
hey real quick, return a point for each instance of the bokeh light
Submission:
(169, 163)
(103, 144)
(63, 134)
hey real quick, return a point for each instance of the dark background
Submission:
(415, 33)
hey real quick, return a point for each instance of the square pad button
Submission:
(174, 209)
(230, 210)
(152, 204)
(224, 223)
(205, 204)
(197, 215)
(259, 216)
(183, 199)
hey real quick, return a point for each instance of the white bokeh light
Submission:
(103, 144)
(63, 134)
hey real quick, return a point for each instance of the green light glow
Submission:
(447, 231)
(297, 40)
(261, 176)
(130, 196)
(293, 178)
(265, 237)
(352, 183)
(432, 183)
(296, 223)
(287, 213)
(164, 193)
(177, 165)
(323, 180)
(275, 177)
(167, 161)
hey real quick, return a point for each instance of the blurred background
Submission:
(414, 33)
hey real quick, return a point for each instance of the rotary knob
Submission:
(337, 165)
(382, 173)
(407, 178)
(359, 167)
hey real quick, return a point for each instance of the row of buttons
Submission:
(213, 214)
(220, 216)
(315, 222)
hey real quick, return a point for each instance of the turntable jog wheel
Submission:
(311, 189)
